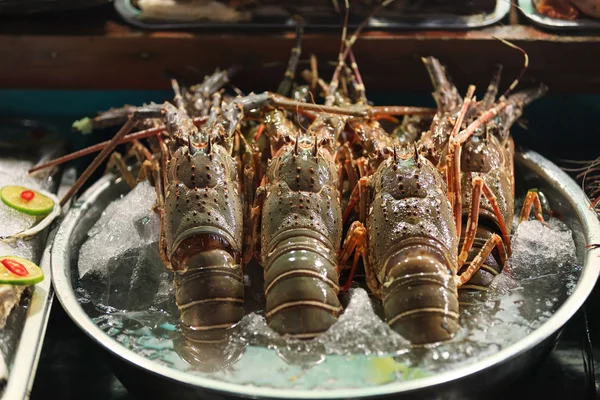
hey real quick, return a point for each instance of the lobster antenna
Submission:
(525, 65)
(290, 73)
(177, 90)
(333, 85)
(314, 73)
(350, 42)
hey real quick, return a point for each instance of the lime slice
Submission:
(26, 200)
(19, 271)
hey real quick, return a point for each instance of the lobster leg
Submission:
(483, 118)
(454, 190)
(350, 173)
(356, 242)
(472, 221)
(116, 161)
(492, 90)
(532, 200)
(356, 197)
(479, 185)
(255, 213)
(489, 195)
(141, 153)
(493, 241)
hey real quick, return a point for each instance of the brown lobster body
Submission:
(493, 162)
(301, 231)
(201, 221)
(481, 160)
(412, 249)
(203, 237)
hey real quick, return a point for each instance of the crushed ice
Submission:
(129, 281)
(539, 250)
(119, 263)
(357, 331)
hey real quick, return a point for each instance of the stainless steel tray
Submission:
(459, 22)
(583, 24)
(565, 197)
(32, 337)
(28, 342)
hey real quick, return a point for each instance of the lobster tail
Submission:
(210, 294)
(301, 288)
(420, 296)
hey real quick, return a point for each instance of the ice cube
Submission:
(116, 230)
(502, 284)
(360, 330)
(539, 250)
(357, 331)
(119, 264)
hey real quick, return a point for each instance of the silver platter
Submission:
(146, 376)
(581, 24)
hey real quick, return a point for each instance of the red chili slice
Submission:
(15, 267)
(27, 195)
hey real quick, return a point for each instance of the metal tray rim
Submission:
(532, 160)
(529, 11)
(128, 13)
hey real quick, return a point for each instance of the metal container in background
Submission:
(144, 377)
(15, 7)
(270, 17)
(580, 24)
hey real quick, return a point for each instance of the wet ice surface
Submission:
(359, 350)
(119, 264)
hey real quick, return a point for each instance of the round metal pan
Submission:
(147, 377)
